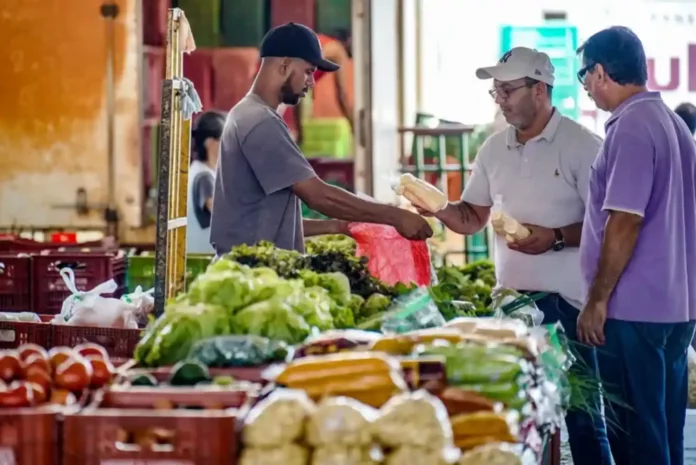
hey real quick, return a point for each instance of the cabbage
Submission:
(338, 286)
(314, 305)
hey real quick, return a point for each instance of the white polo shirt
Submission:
(543, 182)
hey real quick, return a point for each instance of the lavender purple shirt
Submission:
(647, 166)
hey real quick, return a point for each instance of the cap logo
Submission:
(537, 72)
(506, 57)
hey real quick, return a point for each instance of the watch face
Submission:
(558, 246)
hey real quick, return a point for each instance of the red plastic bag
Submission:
(392, 258)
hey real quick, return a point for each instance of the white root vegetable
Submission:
(513, 228)
(421, 193)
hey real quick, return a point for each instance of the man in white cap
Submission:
(538, 166)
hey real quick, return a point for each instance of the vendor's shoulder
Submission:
(494, 146)
(249, 113)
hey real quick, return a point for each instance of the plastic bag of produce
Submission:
(494, 454)
(142, 304)
(239, 351)
(341, 421)
(286, 454)
(474, 429)
(414, 419)
(341, 455)
(411, 312)
(692, 377)
(91, 308)
(508, 303)
(335, 341)
(392, 258)
(277, 420)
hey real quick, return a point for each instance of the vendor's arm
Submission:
(630, 163)
(278, 164)
(321, 227)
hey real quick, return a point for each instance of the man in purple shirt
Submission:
(638, 253)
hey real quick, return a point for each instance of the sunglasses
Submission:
(582, 74)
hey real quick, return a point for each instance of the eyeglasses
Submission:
(583, 72)
(504, 93)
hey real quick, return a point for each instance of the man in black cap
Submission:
(261, 173)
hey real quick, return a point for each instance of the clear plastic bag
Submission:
(508, 303)
(340, 455)
(239, 351)
(414, 311)
(142, 304)
(341, 421)
(286, 454)
(414, 419)
(277, 420)
(494, 454)
(91, 308)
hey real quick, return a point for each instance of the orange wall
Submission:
(53, 115)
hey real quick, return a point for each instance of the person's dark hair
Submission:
(529, 82)
(687, 112)
(209, 125)
(341, 34)
(620, 52)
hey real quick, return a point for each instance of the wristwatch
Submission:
(559, 244)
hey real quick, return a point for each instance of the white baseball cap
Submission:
(518, 63)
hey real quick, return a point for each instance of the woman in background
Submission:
(687, 112)
(201, 180)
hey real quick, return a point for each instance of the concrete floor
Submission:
(689, 442)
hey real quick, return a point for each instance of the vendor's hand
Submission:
(591, 323)
(540, 240)
(342, 227)
(413, 226)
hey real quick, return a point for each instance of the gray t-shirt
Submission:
(258, 165)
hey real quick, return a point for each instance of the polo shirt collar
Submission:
(632, 100)
(547, 134)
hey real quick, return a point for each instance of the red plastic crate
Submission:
(91, 269)
(298, 11)
(153, 68)
(233, 74)
(15, 292)
(16, 333)
(118, 342)
(198, 67)
(155, 22)
(29, 436)
(335, 171)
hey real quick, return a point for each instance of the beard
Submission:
(288, 96)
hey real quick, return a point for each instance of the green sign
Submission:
(559, 43)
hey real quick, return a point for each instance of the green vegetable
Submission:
(224, 381)
(144, 379)
(189, 373)
(506, 392)
(376, 303)
(238, 351)
(314, 305)
(274, 319)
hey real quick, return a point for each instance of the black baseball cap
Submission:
(294, 40)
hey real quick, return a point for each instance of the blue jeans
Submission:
(645, 366)
(587, 432)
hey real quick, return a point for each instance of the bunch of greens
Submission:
(231, 298)
(464, 291)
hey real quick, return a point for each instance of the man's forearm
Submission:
(321, 227)
(461, 218)
(620, 236)
(341, 204)
(572, 234)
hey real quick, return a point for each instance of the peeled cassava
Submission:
(421, 193)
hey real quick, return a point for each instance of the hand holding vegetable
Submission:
(540, 240)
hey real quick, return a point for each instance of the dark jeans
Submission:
(645, 366)
(587, 432)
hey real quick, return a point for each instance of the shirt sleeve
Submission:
(275, 159)
(478, 190)
(586, 156)
(629, 170)
(204, 189)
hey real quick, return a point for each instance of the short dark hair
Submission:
(687, 112)
(530, 82)
(209, 125)
(620, 52)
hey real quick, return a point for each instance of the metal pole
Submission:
(110, 11)
(174, 153)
